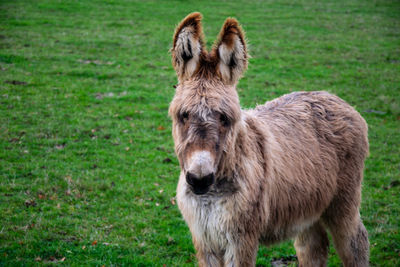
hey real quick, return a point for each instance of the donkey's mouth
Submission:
(200, 186)
(200, 191)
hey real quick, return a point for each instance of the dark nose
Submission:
(201, 185)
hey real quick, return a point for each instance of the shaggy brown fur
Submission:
(290, 168)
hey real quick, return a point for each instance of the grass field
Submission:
(87, 168)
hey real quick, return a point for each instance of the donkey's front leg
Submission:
(205, 256)
(241, 252)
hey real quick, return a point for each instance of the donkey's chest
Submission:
(209, 219)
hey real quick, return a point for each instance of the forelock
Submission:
(205, 96)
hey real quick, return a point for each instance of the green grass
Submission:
(84, 132)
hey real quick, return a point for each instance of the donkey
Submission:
(291, 168)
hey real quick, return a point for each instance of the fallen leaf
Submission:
(60, 146)
(68, 178)
(38, 259)
(167, 160)
(374, 111)
(160, 191)
(160, 128)
(62, 259)
(127, 148)
(95, 62)
(83, 247)
(94, 243)
(41, 196)
(394, 183)
(30, 202)
(14, 140)
(172, 200)
(170, 240)
(268, 83)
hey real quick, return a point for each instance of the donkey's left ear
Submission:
(232, 52)
(188, 46)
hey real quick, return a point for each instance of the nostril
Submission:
(208, 179)
(190, 178)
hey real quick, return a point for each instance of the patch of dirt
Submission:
(15, 82)
(284, 261)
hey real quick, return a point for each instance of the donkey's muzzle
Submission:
(201, 185)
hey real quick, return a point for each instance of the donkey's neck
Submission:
(244, 156)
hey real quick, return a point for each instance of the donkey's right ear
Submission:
(188, 46)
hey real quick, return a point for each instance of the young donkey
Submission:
(290, 168)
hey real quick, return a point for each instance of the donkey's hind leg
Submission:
(312, 246)
(351, 241)
(342, 217)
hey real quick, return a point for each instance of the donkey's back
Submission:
(319, 116)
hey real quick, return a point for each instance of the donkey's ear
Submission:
(231, 50)
(188, 46)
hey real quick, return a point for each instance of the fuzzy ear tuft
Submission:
(231, 50)
(188, 45)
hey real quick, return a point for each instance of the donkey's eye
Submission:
(183, 117)
(224, 120)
